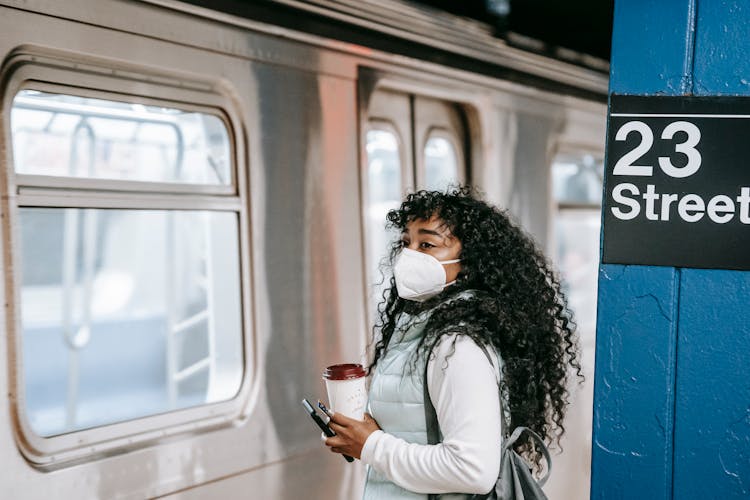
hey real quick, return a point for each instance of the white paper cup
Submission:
(346, 389)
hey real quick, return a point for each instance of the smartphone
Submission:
(323, 426)
(324, 409)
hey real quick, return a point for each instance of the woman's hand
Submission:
(351, 434)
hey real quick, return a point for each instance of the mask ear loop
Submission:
(452, 261)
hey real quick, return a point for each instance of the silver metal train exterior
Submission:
(298, 121)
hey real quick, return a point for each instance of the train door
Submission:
(411, 142)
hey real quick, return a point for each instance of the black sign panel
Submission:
(677, 186)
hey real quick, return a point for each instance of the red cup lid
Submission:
(344, 372)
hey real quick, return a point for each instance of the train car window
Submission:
(577, 187)
(110, 334)
(128, 290)
(441, 161)
(577, 180)
(384, 188)
(70, 136)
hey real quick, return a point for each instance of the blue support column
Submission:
(633, 404)
(652, 48)
(672, 384)
(712, 420)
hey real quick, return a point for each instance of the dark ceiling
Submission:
(581, 25)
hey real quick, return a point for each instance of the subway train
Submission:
(193, 206)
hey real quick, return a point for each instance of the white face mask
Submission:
(420, 276)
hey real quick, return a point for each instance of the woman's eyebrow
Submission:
(432, 232)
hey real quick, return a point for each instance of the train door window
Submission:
(384, 183)
(440, 132)
(127, 244)
(441, 162)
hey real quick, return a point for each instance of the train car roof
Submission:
(489, 37)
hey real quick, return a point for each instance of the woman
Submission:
(474, 298)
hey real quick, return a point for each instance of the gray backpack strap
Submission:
(505, 418)
(430, 415)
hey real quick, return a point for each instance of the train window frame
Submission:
(22, 190)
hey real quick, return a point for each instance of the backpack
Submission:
(514, 481)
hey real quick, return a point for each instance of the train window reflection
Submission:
(69, 136)
(384, 187)
(441, 163)
(127, 313)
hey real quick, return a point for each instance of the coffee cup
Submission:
(346, 389)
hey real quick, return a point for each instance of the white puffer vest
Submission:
(396, 400)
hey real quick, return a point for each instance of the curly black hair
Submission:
(517, 307)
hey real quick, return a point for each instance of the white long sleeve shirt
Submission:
(467, 403)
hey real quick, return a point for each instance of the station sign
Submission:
(677, 182)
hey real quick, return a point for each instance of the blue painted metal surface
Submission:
(672, 384)
(721, 45)
(712, 431)
(652, 47)
(631, 456)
